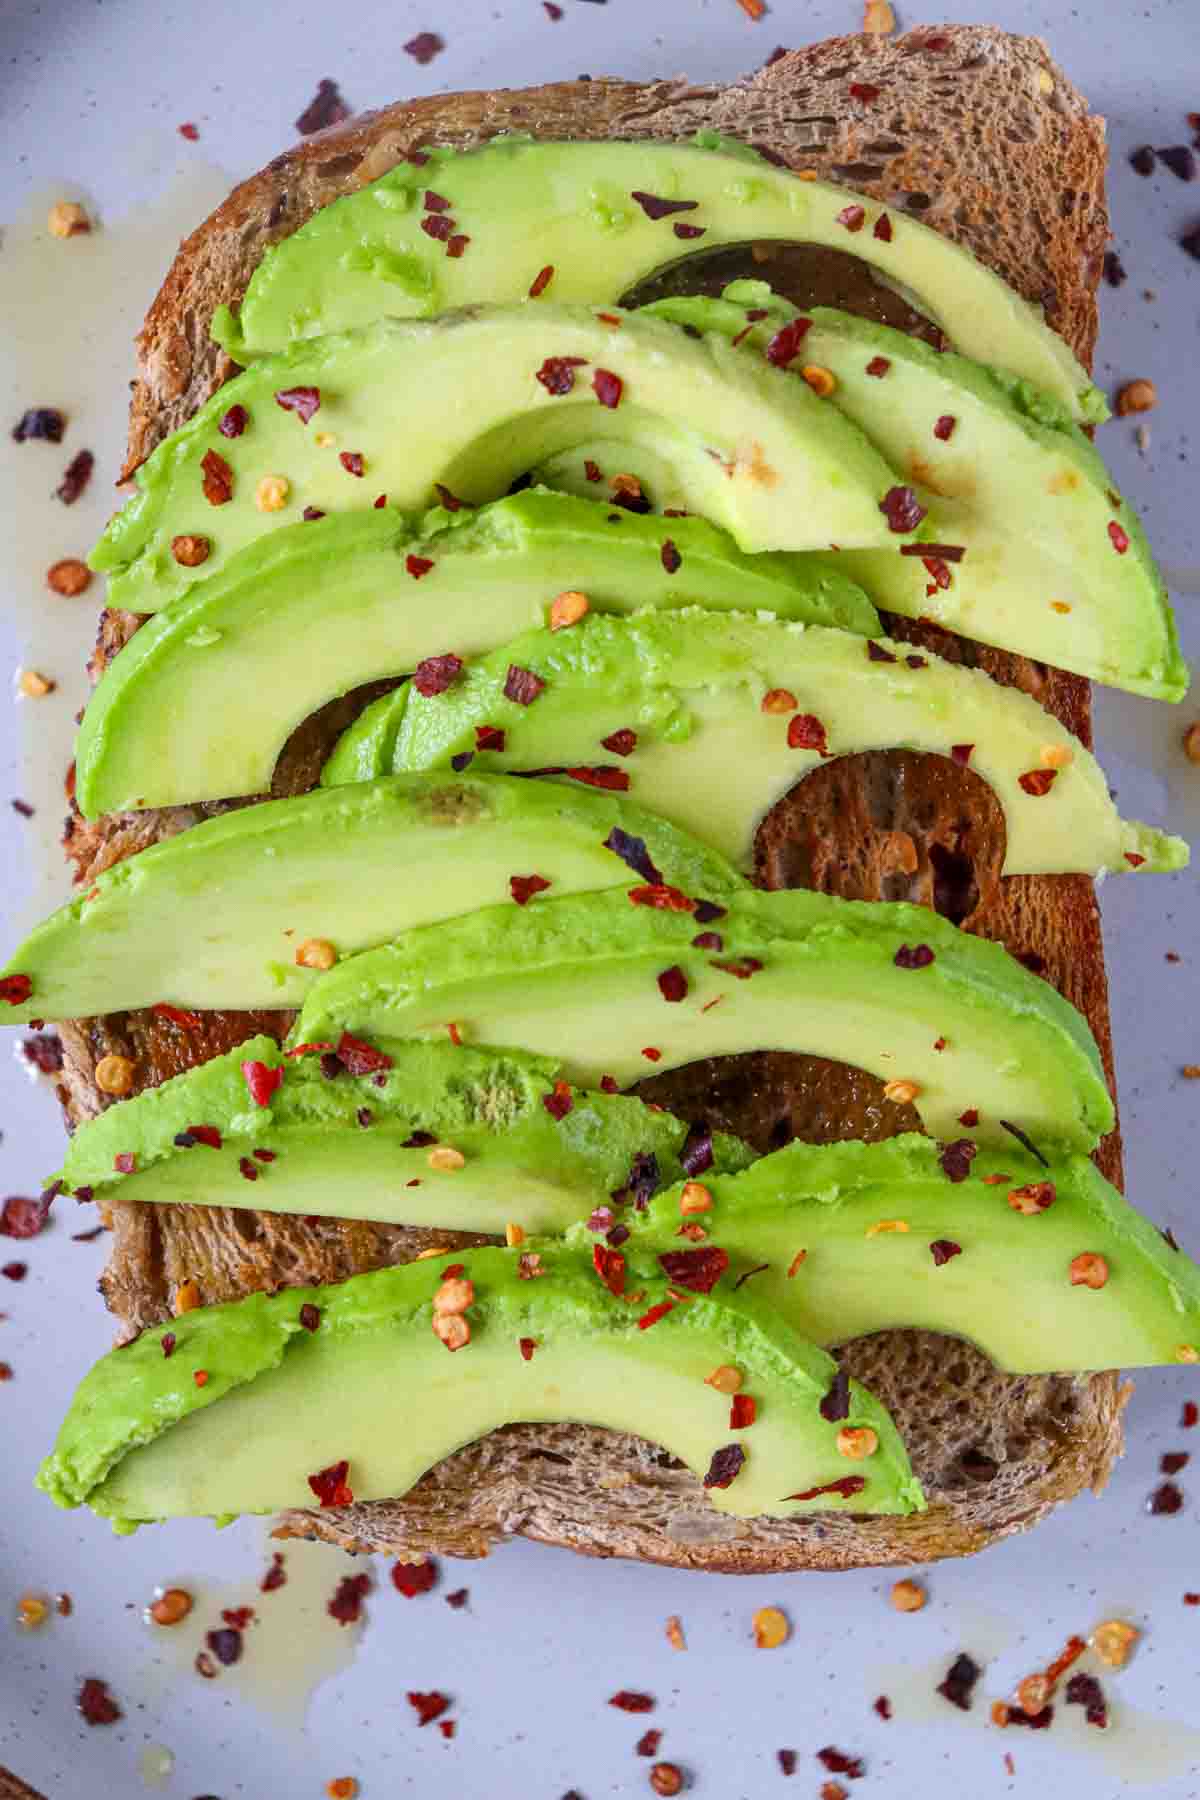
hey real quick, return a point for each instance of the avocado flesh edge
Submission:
(141, 1441)
(257, 644)
(1009, 1291)
(709, 758)
(569, 206)
(219, 912)
(578, 979)
(1032, 507)
(523, 1165)
(751, 450)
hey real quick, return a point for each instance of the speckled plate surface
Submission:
(91, 98)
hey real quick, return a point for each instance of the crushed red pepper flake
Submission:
(411, 1579)
(846, 1488)
(1190, 1415)
(1166, 1500)
(324, 109)
(628, 1700)
(647, 1744)
(958, 1685)
(673, 984)
(559, 1103)
(96, 1704)
(787, 1760)
(956, 1158)
(359, 1058)
(261, 1081)
(434, 674)
(743, 1410)
(943, 1250)
(655, 207)
(943, 428)
(522, 685)
(784, 346)
(178, 1015)
(740, 967)
(1173, 1461)
(200, 1377)
(217, 478)
(652, 1054)
(1037, 782)
(76, 476)
(303, 401)
(331, 1486)
(610, 1267)
(607, 388)
(852, 217)
(541, 281)
(902, 510)
(231, 424)
(726, 1465)
(21, 1217)
(614, 780)
(883, 231)
(168, 1343)
(839, 1763)
(524, 887)
(1118, 537)
(423, 48)
(276, 1576)
(883, 1706)
(835, 1404)
(489, 737)
(806, 732)
(655, 1314)
(125, 1163)
(14, 1271)
(1085, 1691)
(696, 1270)
(428, 1707)
(879, 366)
(456, 245)
(633, 852)
(557, 373)
(527, 1346)
(913, 956)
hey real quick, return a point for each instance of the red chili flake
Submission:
(610, 1267)
(852, 217)
(346, 1606)
(970, 1119)
(24, 1218)
(847, 1487)
(879, 365)
(607, 388)
(1133, 859)
(200, 1377)
(647, 1744)
(96, 1703)
(949, 553)
(231, 424)
(187, 1021)
(557, 373)
(901, 508)
(125, 1163)
(956, 1159)
(725, 1467)
(627, 1701)
(489, 737)
(961, 754)
(522, 685)
(940, 576)
(787, 1761)
(655, 1314)
(671, 559)
(324, 109)
(1174, 1461)
(189, 131)
(23, 808)
(527, 1346)
(785, 345)
(435, 674)
(806, 732)
(529, 1266)
(708, 940)
(615, 780)
(689, 231)
(663, 897)
(838, 1763)
(330, 1485)
(40, 422)
(76, 476)
(87, 1237)
(524, 887)
(1191, 1599)
(310, 1316)
(959, 1683)
(864, 91)
(742, 1412)
(913, 956)
(359, 1058)
(44, 1052)
(673, 984)
(883, 1707)
(204, 1134)
(741, 967)
(1119, 537)
(559, 1103)
(944, 428)
(696, 1270)
(275, 1576)
(1167, 1498)
(457, 244)
(428, 1707)
(541, 281)
(14, 1271)
(411, 1579)
(608, 1084)
(835, 1404)
(656, 208)
(1190, 1415)
(1085, 1691)
(246, 1169)
(352, 462)
(454, 1034)
(423, 48)
(882, 231)
(5, 1371)
(621, 743)
(303, 401)
(651, 1054)
(943, 1250)
(167, 1341)
(218, 478)
(314, 512)
(592, 470)
(261, 1081)
(1037, 781)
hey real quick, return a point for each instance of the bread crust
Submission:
(989, 143)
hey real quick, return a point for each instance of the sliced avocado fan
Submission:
(199, 704)
(345, 1393)
(243, 909)
(615, 985)
(589, 221)
(1043, 1265)
(710, 719)
(403, 1133)
(1027, 543)
(471, 401)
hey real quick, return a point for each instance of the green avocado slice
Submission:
(890, 1239)
(587, 980)
(349, 867)
(1055, 563)
(570, 215)
(315, 609)
(470, 401)
(340, 1145)
(368, 1385)
(692, 687)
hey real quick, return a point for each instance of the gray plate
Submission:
(90, 99)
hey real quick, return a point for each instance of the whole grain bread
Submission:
(979, 133)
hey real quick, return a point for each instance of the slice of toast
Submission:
(979, 133)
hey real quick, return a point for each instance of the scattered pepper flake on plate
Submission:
(958, 1685)
(424, 47)
(96, 1703)
(326, 108)
(428, 1707)
(627, 1700)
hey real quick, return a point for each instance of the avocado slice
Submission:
(596, 982)
(471, 401)
(142, 1441)
(1054, 564)
(691, 688)
(254, 643)
(344, 869)
(339, 1145)
(587, 213)
(890, 1239)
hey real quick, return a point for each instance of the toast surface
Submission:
(985, 139)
